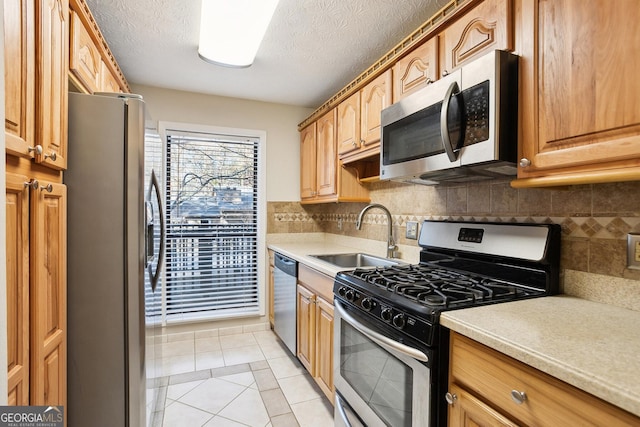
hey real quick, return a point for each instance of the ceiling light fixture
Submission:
(231, 30)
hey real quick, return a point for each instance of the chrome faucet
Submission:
(391, 245)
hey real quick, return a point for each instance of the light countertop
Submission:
(300, 246)
(592, 346)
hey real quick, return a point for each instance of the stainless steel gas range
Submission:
(390, 353)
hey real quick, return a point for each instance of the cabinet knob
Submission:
(524, 162)
(429, 81)
(37, 149)
(33, 184)
(450, 398)
(445, 73)
(48, 188)
(518, 397)
(354, 143)
(53, 156)
(361, 140)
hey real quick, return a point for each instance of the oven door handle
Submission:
(379, 338)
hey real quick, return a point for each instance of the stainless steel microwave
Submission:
(460, 128)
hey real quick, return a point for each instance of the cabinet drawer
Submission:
(318, 282)
(493, 376)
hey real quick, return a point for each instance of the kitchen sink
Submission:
(356, 260)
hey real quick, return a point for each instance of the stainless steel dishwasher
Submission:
(285, 277)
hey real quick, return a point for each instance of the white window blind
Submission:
(211, 215)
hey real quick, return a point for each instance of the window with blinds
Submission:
(211, 216)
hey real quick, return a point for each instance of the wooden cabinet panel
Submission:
(470, 411)
(306, 327)
(416, 70)
(48, 295)
(348, 126)
(84, 58)
(491, 377)
(108, 83)
(324, 347)
(326, 155)
(17, 267)
(308, 162)
(19, 76)
(51, 95)
(374, 97)
(579, 99)
(486, 27)
(270, 288)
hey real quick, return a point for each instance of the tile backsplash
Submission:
(595, 219)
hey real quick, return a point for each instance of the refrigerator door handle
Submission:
(155, 276)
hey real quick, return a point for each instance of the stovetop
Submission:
(461, 265)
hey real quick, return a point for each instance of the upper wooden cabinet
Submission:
(322, 179)
(488, 26)
(580, 119)
(359, 119)
(92, 67)
(84, 61)
(19, 76)
(349, 125)
(36, 58)
(416, 70)
(52, 53)
(488, 388)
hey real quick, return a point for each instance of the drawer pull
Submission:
(450, 398)
(518, 396)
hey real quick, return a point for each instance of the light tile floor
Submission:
(245, 379)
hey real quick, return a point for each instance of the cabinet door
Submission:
(373, 98)
(48, 295)
(270, 290)
(19, 79)
(579, 107)
(467, 410)
(416, 70)
(306, 327)
(324, 347)
(84, 57)
(17, 266)
(349, 124)
(51, 95)
(308, 162)
(486, 27)
(326, 155)
(108, 83)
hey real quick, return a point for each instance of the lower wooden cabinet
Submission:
(270, 287)
(36, 291)
(315, 327)
(488, 388)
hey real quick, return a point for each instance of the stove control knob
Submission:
(386, 314)
(367, 304)
(342, 290)
(399, 321)
(350, 294)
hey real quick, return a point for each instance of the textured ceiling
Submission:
(311, 50)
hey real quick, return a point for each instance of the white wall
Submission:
(278, 120)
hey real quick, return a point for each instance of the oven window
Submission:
(383, 381)
(413, 137)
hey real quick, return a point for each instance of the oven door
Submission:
(379, 381)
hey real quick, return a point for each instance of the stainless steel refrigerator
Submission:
(112, 254)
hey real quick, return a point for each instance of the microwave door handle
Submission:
(379, 338)
(444, 122)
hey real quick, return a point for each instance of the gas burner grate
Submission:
(436, 286)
